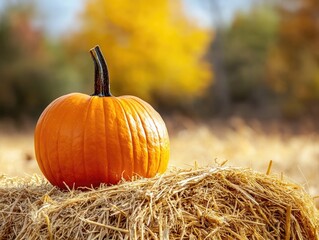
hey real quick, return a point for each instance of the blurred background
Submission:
(234, 80)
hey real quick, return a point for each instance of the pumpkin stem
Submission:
(101, 74)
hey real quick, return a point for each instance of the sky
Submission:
(227, 9)
(59, 15)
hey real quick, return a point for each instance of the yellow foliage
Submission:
(152, 48)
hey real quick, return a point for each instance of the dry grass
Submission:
(17, 154)
(246, 144)
(295, 152)
(208, 203)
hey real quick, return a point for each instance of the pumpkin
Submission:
(83, 141)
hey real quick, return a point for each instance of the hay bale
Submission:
(211, 203)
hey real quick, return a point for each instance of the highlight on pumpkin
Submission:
(84, 141)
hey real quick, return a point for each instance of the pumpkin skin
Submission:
(83, 141)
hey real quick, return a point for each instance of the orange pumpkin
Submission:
(83, 141)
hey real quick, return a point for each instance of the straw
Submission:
(206, 203)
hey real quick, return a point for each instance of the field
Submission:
(292, 148)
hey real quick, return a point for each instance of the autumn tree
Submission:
(32, 72)
(294, 61)
(247, 43)
(153, 49)
(18, 61)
